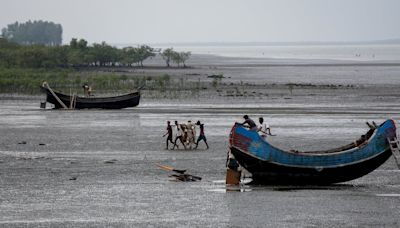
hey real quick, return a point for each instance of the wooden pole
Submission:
(232, 177)
(74, 101)
(55, 96)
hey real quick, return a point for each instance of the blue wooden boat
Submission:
(271, 165)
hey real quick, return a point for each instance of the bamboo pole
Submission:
(76, 97)
(55, 96)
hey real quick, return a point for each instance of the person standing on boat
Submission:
(87, 90)
(178, 135)
(169, 134)
(249, 123)
(202, 136)
(264, 128)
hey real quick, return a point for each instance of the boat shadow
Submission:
(310, 187)
(289, 188)
(247, 185)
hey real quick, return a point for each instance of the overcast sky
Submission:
(163, 21)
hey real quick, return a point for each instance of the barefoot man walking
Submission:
(178, 135)
(169, 134)
(202, 136)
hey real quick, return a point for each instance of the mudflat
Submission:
(96, 168)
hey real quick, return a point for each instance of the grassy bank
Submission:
(27, 81)
(162, 84)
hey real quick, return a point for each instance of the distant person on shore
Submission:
(264, 128)
(169, 134)
(202, 136)
(249, 123)
(178, 135)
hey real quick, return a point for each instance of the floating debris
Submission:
(31, 158)
(217, 76)
(22, 142)
(181, 176)
(42, 144)
(185, 177)
(111, 161)
(73, 178)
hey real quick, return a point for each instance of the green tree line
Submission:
(36, 32)
(79, 54)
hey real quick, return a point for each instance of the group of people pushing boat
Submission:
(185, 133)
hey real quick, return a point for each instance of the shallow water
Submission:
(332, 52)
(36, 190)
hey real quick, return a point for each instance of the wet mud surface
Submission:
(96, 168)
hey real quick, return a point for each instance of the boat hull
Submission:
(264, 172)
(117, 102)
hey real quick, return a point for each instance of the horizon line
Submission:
(262, 43)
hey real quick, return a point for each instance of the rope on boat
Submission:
(55, 96)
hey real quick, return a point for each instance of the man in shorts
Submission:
(169, 134)
(202, 136)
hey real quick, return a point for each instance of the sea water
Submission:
(360, 52)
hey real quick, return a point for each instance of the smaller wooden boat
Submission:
(271, 165)
(78, 102)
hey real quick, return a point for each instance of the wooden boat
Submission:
(116, 102)
(271, 165)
